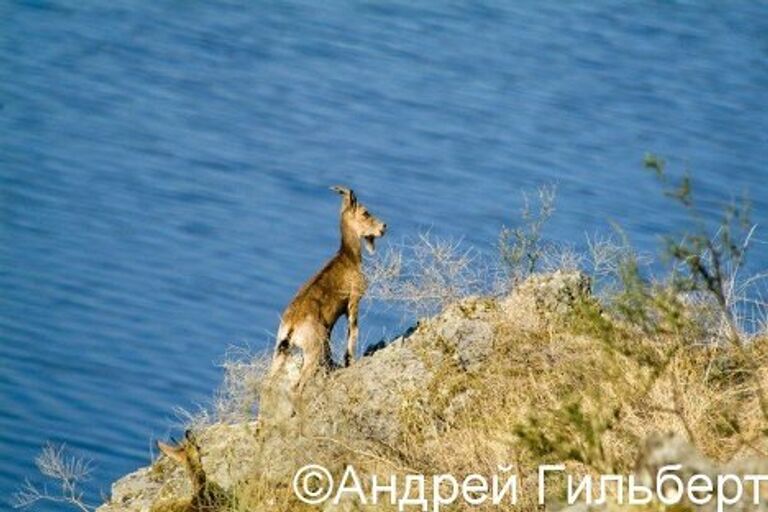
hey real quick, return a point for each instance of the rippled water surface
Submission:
(164, 169)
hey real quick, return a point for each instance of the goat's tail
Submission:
(283, 341)
(282, 346)
(283, 338)
(282, 349)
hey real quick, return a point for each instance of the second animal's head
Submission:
(357, 217)
(186, 453)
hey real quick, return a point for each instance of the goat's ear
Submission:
(175, 453)
(189, 436)
(348, 195)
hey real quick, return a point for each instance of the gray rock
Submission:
(661, 450)
(544, 298)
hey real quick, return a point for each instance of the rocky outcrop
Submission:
(362, 402)
(365, 407)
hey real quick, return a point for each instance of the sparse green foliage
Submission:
(633, 298)
(521, 247)
(710, 264)
(662, 310)
(568, 433)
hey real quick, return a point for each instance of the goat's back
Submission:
(325, 296)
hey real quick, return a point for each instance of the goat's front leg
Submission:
(352, 332)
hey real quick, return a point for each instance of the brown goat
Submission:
(335, 290)
(206, 496)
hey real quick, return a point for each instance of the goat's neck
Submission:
(350, 243)
(197, 475)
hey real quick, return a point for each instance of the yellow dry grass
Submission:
(583, 390)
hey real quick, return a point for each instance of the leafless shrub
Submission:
(68, 471)
(744, 295)
(425, 274)
(564, 257)
(606, 258)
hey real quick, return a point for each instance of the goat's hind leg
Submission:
(312, 358)
(312, 339)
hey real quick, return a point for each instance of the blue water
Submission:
(164, 170)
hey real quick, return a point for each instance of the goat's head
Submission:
(186, 454)
(356, 216)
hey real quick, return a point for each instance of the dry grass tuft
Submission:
(237, 399)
